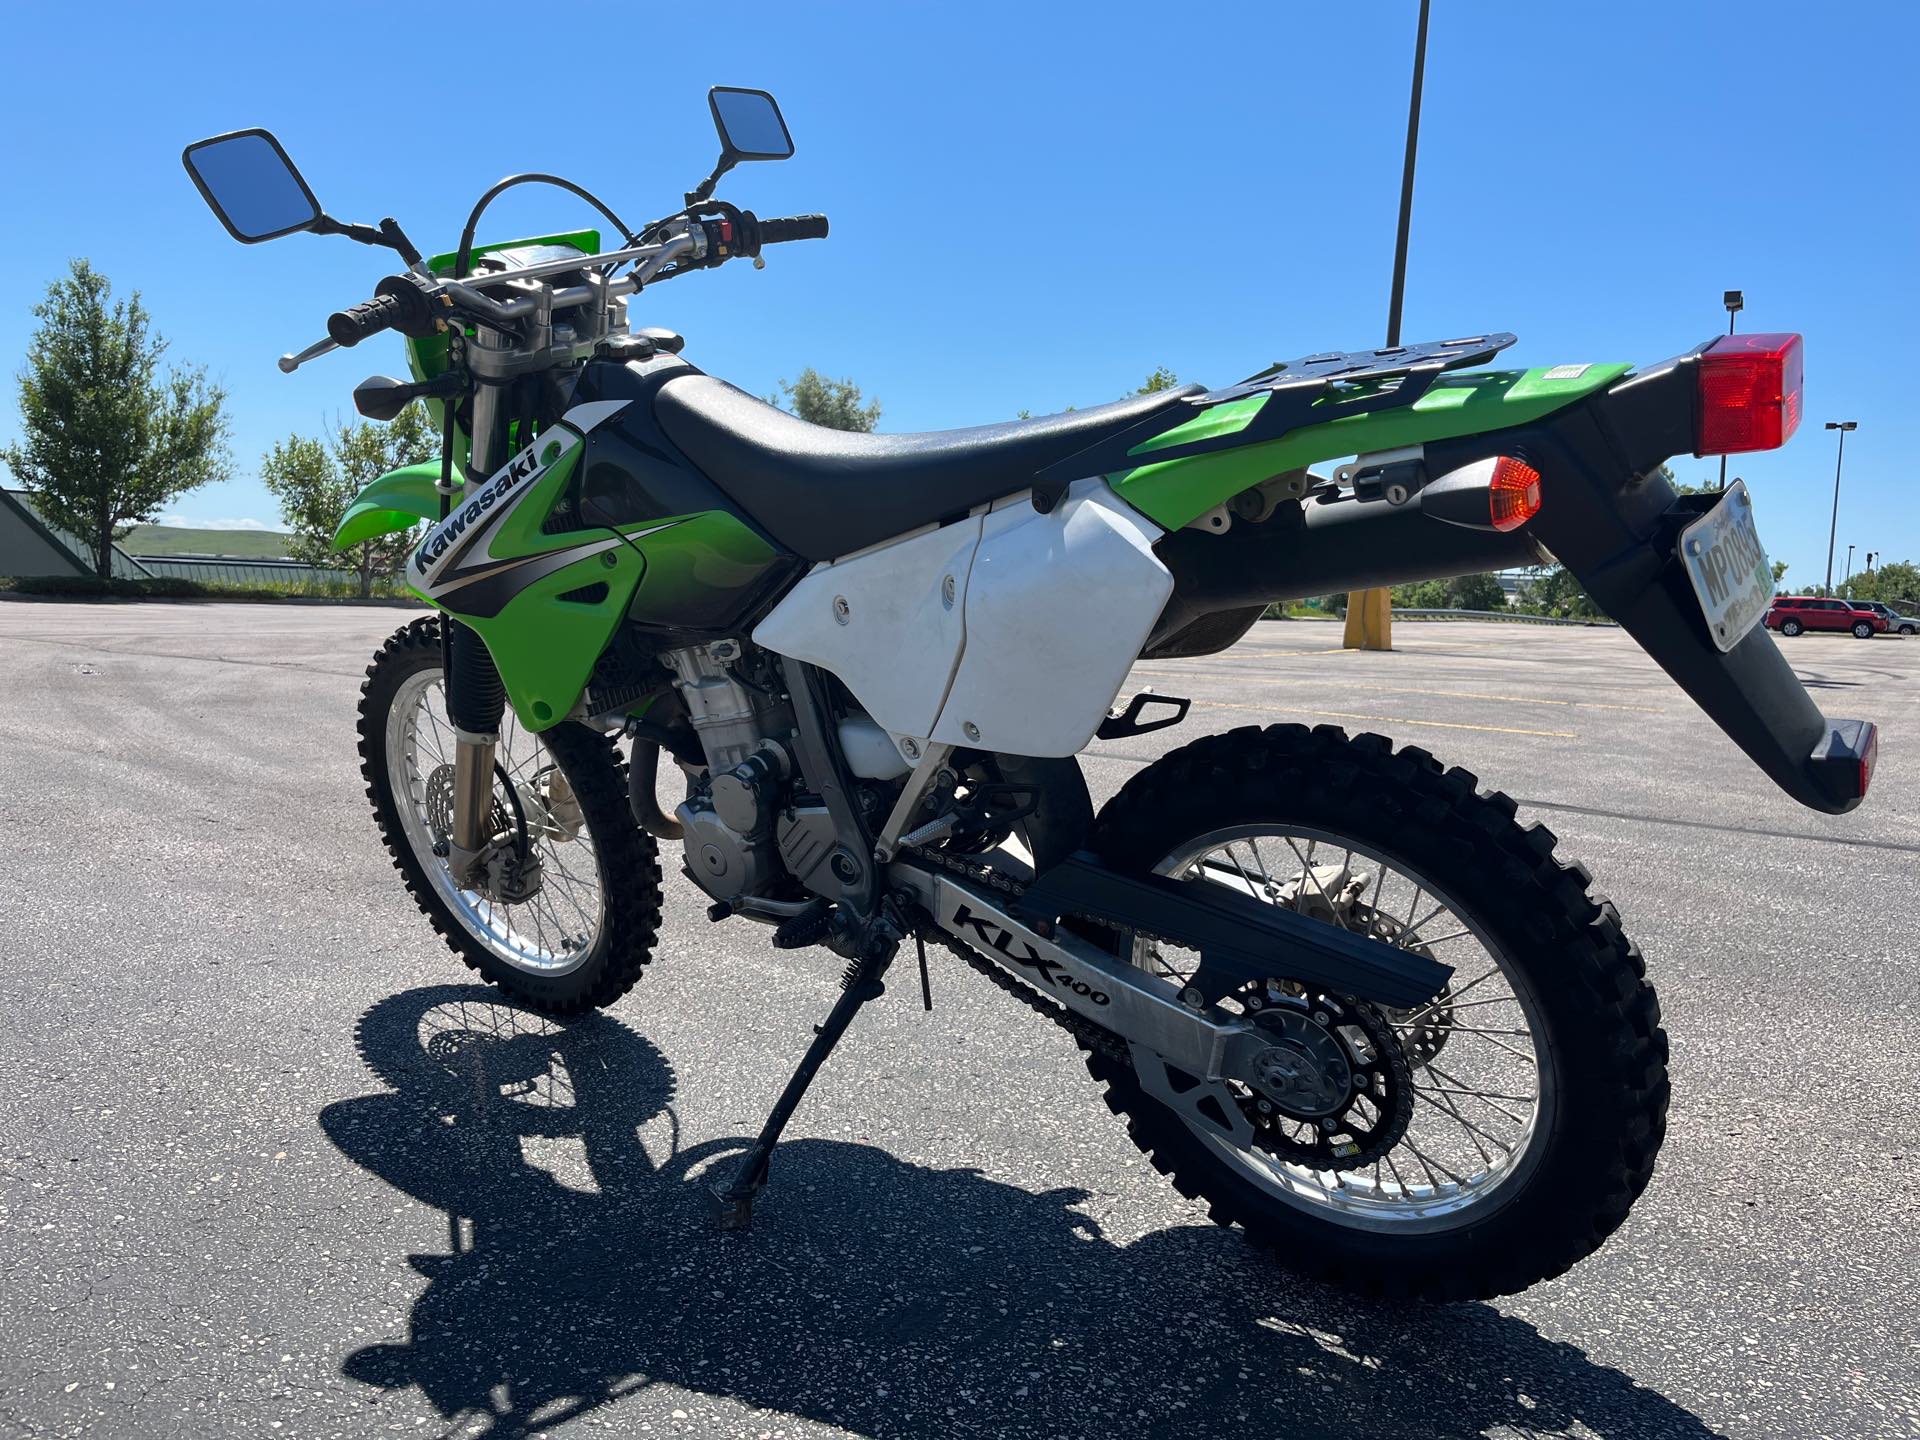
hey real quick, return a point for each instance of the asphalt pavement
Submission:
(244, 1189)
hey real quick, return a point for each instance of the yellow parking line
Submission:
(1240, 673)
(1388, 719)
(1483, 695)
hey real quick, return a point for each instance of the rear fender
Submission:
(396, 502)
(1612, 520)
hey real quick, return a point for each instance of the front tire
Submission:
(582, 939)
(1578, 989)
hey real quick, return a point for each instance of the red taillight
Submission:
(1749, 389)
(1513, 496)
(1869, 753)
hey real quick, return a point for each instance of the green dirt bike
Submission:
(1334, 988)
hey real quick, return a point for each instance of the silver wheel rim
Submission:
(554, 932)
(1480, 1104)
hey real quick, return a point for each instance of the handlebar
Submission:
(404, 306)
(368, 318)
(781, 229)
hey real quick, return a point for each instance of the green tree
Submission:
(1462, 592)
(836, 404)
(1895, 580)
(315, 481)
(109, 438)
(1161, 379)
(1476, 592)
(1556, 592)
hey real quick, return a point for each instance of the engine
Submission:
(744, 725)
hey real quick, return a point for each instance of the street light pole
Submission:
(1735, 303)
(1370, 612)
(1843, 426)
(1849, 577)
(1406, 180)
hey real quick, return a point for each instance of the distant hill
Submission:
(180, 540)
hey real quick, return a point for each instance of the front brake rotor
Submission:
(509, 871)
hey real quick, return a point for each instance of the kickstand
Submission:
(734, 1198)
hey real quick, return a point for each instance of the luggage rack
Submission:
(1309, 391)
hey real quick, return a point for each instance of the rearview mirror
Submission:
(750, 125)
(248, 181)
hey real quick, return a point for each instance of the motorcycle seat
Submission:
(825, 493)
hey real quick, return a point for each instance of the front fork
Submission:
(475, 697)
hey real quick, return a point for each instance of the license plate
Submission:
(1728, 567)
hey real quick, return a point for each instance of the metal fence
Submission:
(245, 572)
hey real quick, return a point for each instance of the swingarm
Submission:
(1183, 1025)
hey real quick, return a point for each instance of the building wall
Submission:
(27, 547)
(19, 515)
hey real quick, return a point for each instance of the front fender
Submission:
(397, 501)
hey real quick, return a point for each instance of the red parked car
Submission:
(1793, 614)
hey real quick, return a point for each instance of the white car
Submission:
(1897, 624)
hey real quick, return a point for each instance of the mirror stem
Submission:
(388, 234)
(694, 197)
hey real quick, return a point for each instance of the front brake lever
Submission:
(291, 363)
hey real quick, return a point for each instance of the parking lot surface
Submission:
(240, 1194)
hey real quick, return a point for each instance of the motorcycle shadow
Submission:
(879, 1296)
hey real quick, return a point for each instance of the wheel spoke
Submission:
(1306, 864)
(1459, 1151)
(552, 928)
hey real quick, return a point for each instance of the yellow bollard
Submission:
(1369, 620)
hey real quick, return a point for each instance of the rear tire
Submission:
(1791, 627)
(1600, 1053)
(624, 859)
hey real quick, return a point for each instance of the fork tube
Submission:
(474, 696)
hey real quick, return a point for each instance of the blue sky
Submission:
(1034, 205)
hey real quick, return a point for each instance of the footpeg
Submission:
(809, 927)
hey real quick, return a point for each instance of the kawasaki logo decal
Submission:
(454, 564)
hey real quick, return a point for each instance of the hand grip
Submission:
(349, 327)
(783, 228)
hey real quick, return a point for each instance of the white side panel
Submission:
(1057, 609)
(897, 638)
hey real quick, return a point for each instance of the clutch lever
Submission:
(291, 363)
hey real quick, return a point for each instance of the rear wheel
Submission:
(1862, 630)
(1496, 1134)
(1791, 627)
(582, 919)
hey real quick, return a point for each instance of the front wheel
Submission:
(1493, 1136)
(585, 910)
(1862, 630)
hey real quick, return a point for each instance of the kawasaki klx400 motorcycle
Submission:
(1334, 988)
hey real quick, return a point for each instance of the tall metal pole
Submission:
(1370, 612)
(1849, 576)
(1406, 180)
(1833, 527)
